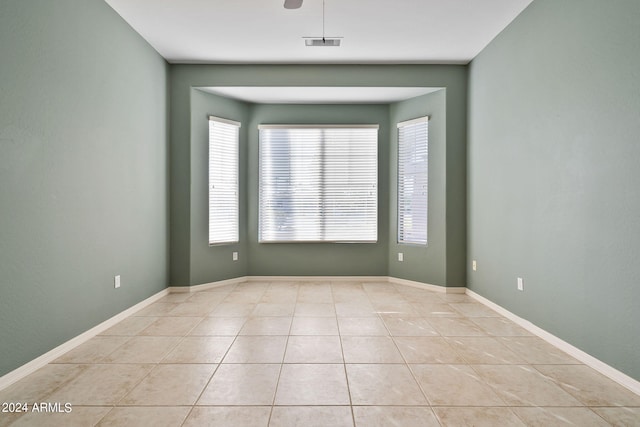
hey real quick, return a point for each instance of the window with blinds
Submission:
(318, 183)
(413, 150)
(223, 181)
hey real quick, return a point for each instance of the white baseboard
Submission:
(205, 286)
(317, 278)
(30, 367)
(606, 370)
(427, 286)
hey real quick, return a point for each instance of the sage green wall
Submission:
(83, 167)
(422, 264)
(319, 259)
(214, 261)
(185, 77)
(553, 173)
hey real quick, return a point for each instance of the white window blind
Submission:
(413, 150)
(223, 181)
(318, 183)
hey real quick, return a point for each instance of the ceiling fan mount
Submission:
(292, 4)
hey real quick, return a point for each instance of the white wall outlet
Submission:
(235, 256)
(474, 265)
(400, 256)
(520, 284)
(116, 281)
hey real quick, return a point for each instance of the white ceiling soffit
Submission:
(318, 95)
(373, 31)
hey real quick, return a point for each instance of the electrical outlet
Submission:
(474, 265)
(520, 284)
(235, 256)
(116, 281)
(400, 256)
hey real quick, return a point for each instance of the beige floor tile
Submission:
(143, 350)
(536, 351)
(273, 309)
(402, 309)
(478, 417)
(456, 327)
(370, 350)
(454, 385)
(500, 327)
(94, 350)
(176, 297)
(355, 309)
(589, 386)
(319, 293)
(232, 309)
(266, 326)
(130, 326)
(157, 309)
(620, 417)
(11, 418)
(309, 309)
(427, 350)
(350, 297)
(280, 296)
(221, 326)
(246, 384)
(400, 416)
(312, 384)
(362, 326)
(37, 386)
(257, 349)
(171, 326)
(409, 327)
(100, 384)
(191, 309)
(543, 417)
(314, 326)
(80, 416)
(220, 416)
(314, 349)
(156, 416)
(240, 296)
(413, 293)
(199, 350)
(311, 416)
(484, 351)
(208, 298)
(434, 310)
(170, 385)
(383, 384)
(473, 309)
(522, 385)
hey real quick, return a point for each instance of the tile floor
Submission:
(320, 354)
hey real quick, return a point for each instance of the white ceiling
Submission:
(374, 31)
(319, 95)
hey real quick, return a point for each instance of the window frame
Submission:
(231, 235)
(321, 190)
(401, 237)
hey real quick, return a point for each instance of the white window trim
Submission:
(225, 229)
(400, 225)
(271, 235)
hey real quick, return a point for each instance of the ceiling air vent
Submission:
(322, 42)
